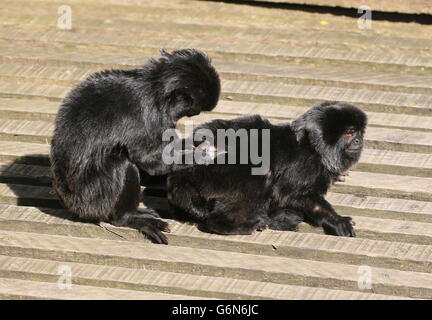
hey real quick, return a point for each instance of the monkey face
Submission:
(335, 130)
(352, 140)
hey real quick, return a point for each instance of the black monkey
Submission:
(306, 157)
(111, 125)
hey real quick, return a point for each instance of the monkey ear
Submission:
(308, 127)
(299, 128)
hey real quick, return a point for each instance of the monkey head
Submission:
(188, 83)
(335, 130)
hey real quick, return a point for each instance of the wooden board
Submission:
(272, 61)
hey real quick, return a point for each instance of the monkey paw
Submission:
(146, 224)
(343, 227)
(152, 229)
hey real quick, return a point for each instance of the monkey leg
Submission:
(319, 213)
(185, 200)
(227, 219)
(285, 220)
(126, 213)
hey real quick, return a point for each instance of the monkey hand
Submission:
(342, 227)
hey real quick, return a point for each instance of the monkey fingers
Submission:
(149, 227)
(342, 228)
(152, 230)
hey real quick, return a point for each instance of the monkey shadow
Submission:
(30, 180)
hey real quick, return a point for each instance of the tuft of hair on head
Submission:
(337, 117)
(185, 54)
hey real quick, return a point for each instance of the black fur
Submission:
(111, 125)
(306, 156)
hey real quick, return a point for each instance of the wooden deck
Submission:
(272, 61)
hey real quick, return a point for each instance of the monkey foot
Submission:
(150, 227)
(343, 227)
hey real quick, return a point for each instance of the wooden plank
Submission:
(327, 93)
(376, 138)
(261, 60)
(332, 75)
(394, 226)
(44, 196)
(33, 173)
(58, 56)
(413, 284)
(10, 191)
(396, 136)
(274, 49)
(395, 158)
(32, 89)
(368, 180)
(15, 288)
(278, 239)
(278, 111)
(34, 153)
(193, 285)
(176, 21)
(30, 109)
(323, 76)
(41, 109)
(388, 181)
(41, 131)
(380, 203)
(15, 150)
(258, 89)
(42, 174)
(137, 5)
